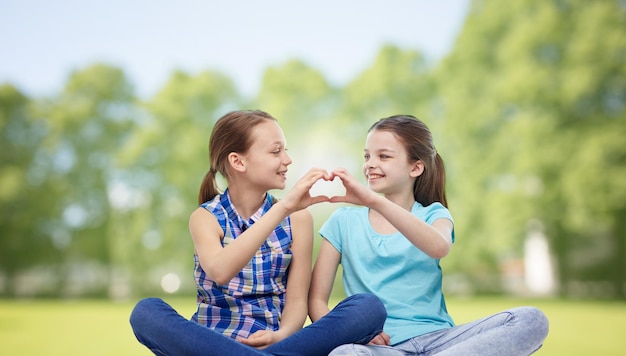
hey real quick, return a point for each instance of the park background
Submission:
(527, 107)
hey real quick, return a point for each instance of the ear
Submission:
(417, 169)
(236, 162)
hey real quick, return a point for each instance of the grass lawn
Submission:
(86, 327)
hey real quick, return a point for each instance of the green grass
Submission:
(93, 328)
(576, 327)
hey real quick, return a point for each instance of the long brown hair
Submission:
(231, 133)
(417, 139)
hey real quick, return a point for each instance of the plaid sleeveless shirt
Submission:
(254, 299)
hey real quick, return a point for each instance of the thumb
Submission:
(319, 199)
(338, 199)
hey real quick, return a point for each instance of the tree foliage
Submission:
(534, 98)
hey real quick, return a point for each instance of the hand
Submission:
(356, 193)
(380, 339)
(260, 339)
(299, 197)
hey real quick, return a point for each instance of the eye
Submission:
(366, 156)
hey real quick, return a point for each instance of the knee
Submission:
(143, 310)
(535, 320)
(371, 304)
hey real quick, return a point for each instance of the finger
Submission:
(386, 338)
(313, 176)
(338, 199)
(319, 199)
(324, 173)
(377, 341)
(254, 342)
(345, 178)
(340, 172)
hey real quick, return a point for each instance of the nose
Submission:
(369, 163)
(286, 159)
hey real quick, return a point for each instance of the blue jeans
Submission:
(517, 331)
(357, 319)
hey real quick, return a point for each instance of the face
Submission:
(387, 167)
(266, 161)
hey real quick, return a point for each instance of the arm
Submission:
(322, 281)
(435, 240)
(222, 263)
(295, 310)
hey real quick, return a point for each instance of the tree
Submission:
(86, 126)
(534, 97)
(165, 162)
(27, 239)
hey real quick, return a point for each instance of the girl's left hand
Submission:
(260, 339)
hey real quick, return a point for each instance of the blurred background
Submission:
(106, 110)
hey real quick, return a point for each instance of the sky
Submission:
(43, 41)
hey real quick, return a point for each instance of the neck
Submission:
(406, 201)
(246, 202)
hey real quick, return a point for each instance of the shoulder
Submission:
(204, 223)
(432, 212)
(203, 215)
(211, 211)
(301, 217)
(343, 217)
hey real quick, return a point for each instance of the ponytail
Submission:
(208, 188)
(430, 187)
(440, 180)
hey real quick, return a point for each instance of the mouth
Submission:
(282, 174)
(374, 176)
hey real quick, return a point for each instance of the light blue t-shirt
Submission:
(406, 279)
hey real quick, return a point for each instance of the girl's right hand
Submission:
(299, 196)
(380, 339)
(356, 193)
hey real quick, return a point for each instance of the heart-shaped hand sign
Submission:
(329, 188)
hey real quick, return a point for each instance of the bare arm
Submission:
(435, 240)
(222, 263)
(295, 310)
(324, 273)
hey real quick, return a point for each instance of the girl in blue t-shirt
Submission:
(391, 247)
(252, 257)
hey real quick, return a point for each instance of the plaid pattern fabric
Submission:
(254, 299)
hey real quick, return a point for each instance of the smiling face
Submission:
(266, 160)
(387, 167)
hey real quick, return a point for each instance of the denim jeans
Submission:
(357, 319)
(517, 331)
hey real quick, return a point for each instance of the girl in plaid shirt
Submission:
(253, 259)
